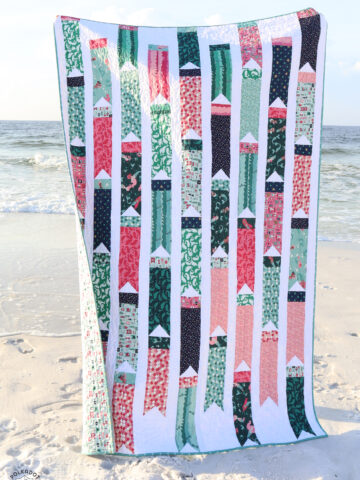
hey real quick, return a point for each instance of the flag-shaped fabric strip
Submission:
(194, 156)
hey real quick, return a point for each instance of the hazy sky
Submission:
(28, 80)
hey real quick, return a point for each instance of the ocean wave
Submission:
(350, 151)
(48, 161)
(338, 238)
(38, 160)
(38, 205)
(38, 141)
(38, 333)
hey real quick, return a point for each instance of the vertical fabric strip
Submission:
(97, 429)
(251, 54)
(305, 99)
(130, 230)
(102, 127)
(273, 216)
(221, 78)
(160, 269)
(76, 110)
(191, 234)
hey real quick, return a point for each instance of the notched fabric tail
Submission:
(191, 235)
(251, 57)
(76, 110)
(273, 216)
(156, 392)
(102, 128)
(221, 78)
(305, 101)
(130, 233)
(97, 428)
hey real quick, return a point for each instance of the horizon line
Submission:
(26, 120)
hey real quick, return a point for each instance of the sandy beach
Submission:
(41, 389)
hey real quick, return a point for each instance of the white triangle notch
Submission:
(102, 103)
(272, 252)
(160, 252)
(243, 367)
(303, 435)
(75, 73)
(161, 175)
(190, 292)
(191, 212)
(218, 332)
(252, 65)
(300, 214)
(221, 100)
(102, 175)
(297, 288)
(278, 103)
(101, 249)
(307, 68)
(302, 141)
(249, 138)
(130, 212)
(295, 362)
(189, 372)
(125, 367)
(76, 142)
(219, 253)
(159, 100)
(245, 290)
(220, 175)
(159, 332)
(269, 327)
(125, 450)
(275, 177)
(128, 288)
(189, 66)
(187, 448)
(127, 67)
(191, 135)
(246, 213)
(131, 137)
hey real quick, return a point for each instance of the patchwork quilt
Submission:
(194, 157)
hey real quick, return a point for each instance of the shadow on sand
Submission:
(334, 457)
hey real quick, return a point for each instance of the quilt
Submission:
(194, 157)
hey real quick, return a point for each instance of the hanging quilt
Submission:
(194, 157)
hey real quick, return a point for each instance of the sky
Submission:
(28, 80)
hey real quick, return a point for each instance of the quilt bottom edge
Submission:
(176, 453)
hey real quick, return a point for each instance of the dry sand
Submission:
(40, 380)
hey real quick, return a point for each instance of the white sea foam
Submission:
(42, 160)
(36, 203)
(38, 333)
(34, 207)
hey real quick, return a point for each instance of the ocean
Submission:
(34, 176)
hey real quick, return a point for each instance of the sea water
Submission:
(34, 176)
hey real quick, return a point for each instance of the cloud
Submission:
(114, 14)
(346, 68)
(140, 17)
(215, 19)
(28, 21)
